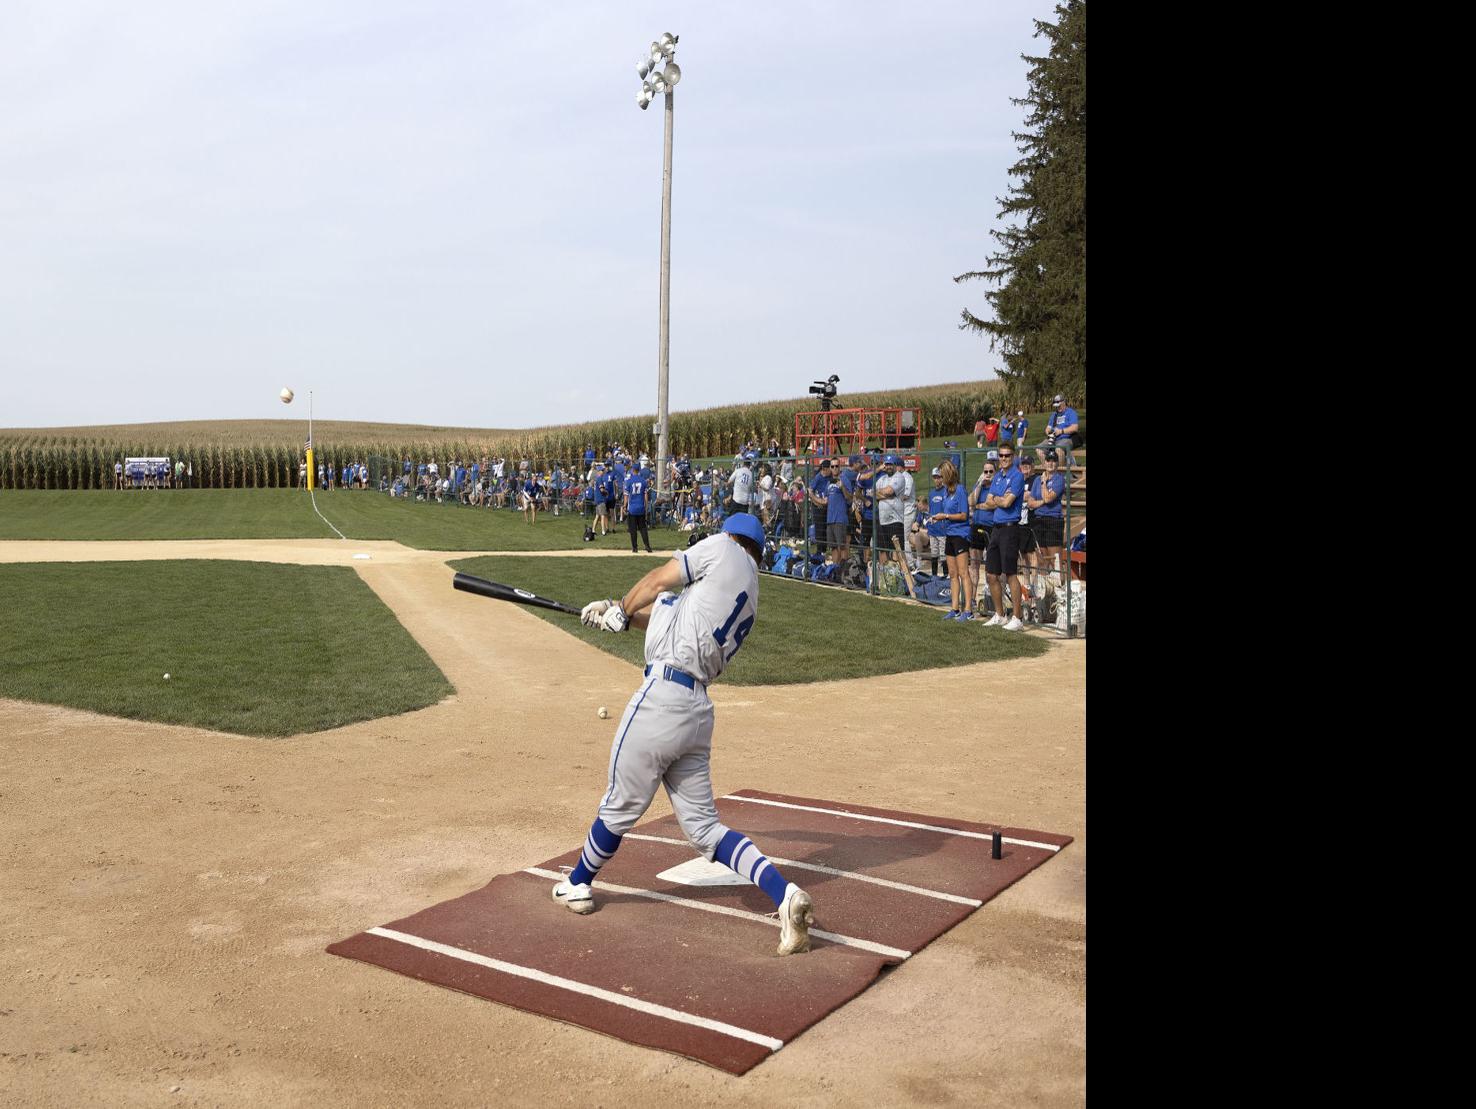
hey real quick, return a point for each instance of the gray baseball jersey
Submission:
(665, 734)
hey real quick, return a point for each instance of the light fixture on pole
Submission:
(653, 82)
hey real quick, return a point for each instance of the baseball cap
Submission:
(937, 472)
(1021, 413)
(892, 460)
(824, 462)
(747, 525)
(1057, 399)
(854, 460)
(992, 456)
(1026, 460)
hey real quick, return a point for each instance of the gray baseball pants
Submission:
(664, 738)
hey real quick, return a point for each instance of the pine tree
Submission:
(1040, 304)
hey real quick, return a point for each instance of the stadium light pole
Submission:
(653, 82)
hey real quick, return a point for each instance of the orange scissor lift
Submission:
(847, 431)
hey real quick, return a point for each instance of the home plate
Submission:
(700, 872)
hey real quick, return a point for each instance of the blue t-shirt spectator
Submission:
(1006, 431)
(820, 485)
(864, 483)
(835, 503)
(1004, 483)
(956, 502)
(936, 499)
(1020, 425)
(589, 457)
(606, 487)
(1057, 481)
(1061, 420)
(635, 489)
(848, 477)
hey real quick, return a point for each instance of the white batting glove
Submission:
(590, 614)
(615, 619)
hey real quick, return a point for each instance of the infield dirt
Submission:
(169, 891)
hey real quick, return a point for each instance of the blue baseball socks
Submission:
(599, 846)
(737, 852)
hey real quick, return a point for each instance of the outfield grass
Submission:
(282, 514)
(804, 633)
(253, 648)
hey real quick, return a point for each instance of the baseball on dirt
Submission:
(604, 713)
(286, 395)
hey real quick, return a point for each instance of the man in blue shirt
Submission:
(617, 472)
(636, 490)
(604, 496)
(1006, 498)
(819, 504)
(532, 493)
(558, 486)
(1021, 423)
(837, 520)
(1063, 432)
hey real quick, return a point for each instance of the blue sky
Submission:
(450, 212)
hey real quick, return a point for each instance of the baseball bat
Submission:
(906, 569)
(499, 592)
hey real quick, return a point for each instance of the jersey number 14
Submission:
(740, 633)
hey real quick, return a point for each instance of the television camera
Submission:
(825, 390)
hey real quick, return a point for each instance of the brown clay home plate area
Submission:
(679, 954)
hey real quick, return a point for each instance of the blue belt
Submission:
(681, 677)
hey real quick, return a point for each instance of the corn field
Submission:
(50, 461)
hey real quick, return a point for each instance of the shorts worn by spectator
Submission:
(894, 492)
(1063, 432)
(1001, 561)
(953, 513)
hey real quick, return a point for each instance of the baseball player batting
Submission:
(665, 735)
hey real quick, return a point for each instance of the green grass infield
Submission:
(804, 633)
(281, 514)
(253, 648)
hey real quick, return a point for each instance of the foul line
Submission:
(903, 886)
(325, 519)
(889, 820)
(742, 914)
(648, 1007)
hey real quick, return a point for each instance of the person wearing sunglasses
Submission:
(1002, 559)
(981, 523)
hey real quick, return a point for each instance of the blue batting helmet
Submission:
(747, 525)
(892, 460)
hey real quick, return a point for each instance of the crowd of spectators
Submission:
(834, 507)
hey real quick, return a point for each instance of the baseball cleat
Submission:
(579, 899)
(796, 915)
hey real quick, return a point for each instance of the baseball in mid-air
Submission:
(166, 677)
(604, 713)
(286, 395)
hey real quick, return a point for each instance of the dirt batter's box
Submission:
(679, 955)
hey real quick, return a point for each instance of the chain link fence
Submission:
(860, 539)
